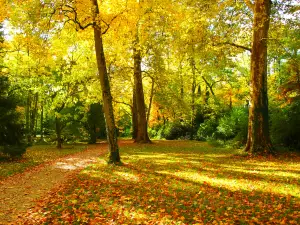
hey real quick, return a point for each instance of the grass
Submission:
(34, 156)
(178, 182)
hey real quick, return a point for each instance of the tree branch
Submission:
(108, 24)
(237, 46)
(124, 103)
(249, 4)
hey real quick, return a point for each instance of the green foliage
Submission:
(207, 129)
(233, 125)
(171, 131)
(95, 124)
(285, 125)
(11, 128)
(178, 130)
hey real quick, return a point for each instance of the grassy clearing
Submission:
(34, 156)
(178, 182)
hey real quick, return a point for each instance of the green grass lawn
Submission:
(179, 182)
(34, 156)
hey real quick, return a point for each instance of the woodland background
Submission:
(193, 59)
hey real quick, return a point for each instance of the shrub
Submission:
(11, 128)
(171, 131)
(285, 125)
(14, 151)
(233, 125)
(207, 129)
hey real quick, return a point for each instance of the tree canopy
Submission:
(170, 69)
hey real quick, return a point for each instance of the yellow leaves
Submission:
(4, 9)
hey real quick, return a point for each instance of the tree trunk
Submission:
(34, 114)
(193, 90)
(28, 109)
(42, 121)
(150, 102)
(134, 115)
(258, 141)
(142, 133)
(58, 133)
(114, 156)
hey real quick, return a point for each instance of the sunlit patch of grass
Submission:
(180, 183)
(34, 156)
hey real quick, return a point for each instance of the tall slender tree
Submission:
(114, 156)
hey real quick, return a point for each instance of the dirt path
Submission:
(19, 193)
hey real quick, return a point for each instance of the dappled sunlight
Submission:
(74, 163)
(127, 176)
(235, 184)
(177, 185)
(264, 172)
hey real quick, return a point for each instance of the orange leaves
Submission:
(104, 194)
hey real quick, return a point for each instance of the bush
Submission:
(11, 128)
(234, 125)
(285, 125)
(171, 131)
(14, 151)
(207, 129)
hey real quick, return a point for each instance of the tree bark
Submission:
(28, 109)
(58, 130)
(114, 156)
(142, 133)
(150, 101)
(258, 141)
(134, 115)
(42, 121)
(33, 120)
(193, 90)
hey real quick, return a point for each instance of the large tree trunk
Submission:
(142, 133)
(258, 141)
(114, 156)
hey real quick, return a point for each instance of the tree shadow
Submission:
(149, 190)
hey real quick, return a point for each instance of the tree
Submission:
(11, 128)
(142, 133)
(95, 123)
(114, 156)
(259, 141)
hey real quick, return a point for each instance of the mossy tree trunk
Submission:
(114, 156)
(259, 141)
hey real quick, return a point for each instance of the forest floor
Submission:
(167, 182)
(20, 192)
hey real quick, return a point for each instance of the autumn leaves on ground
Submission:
(176, 182)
